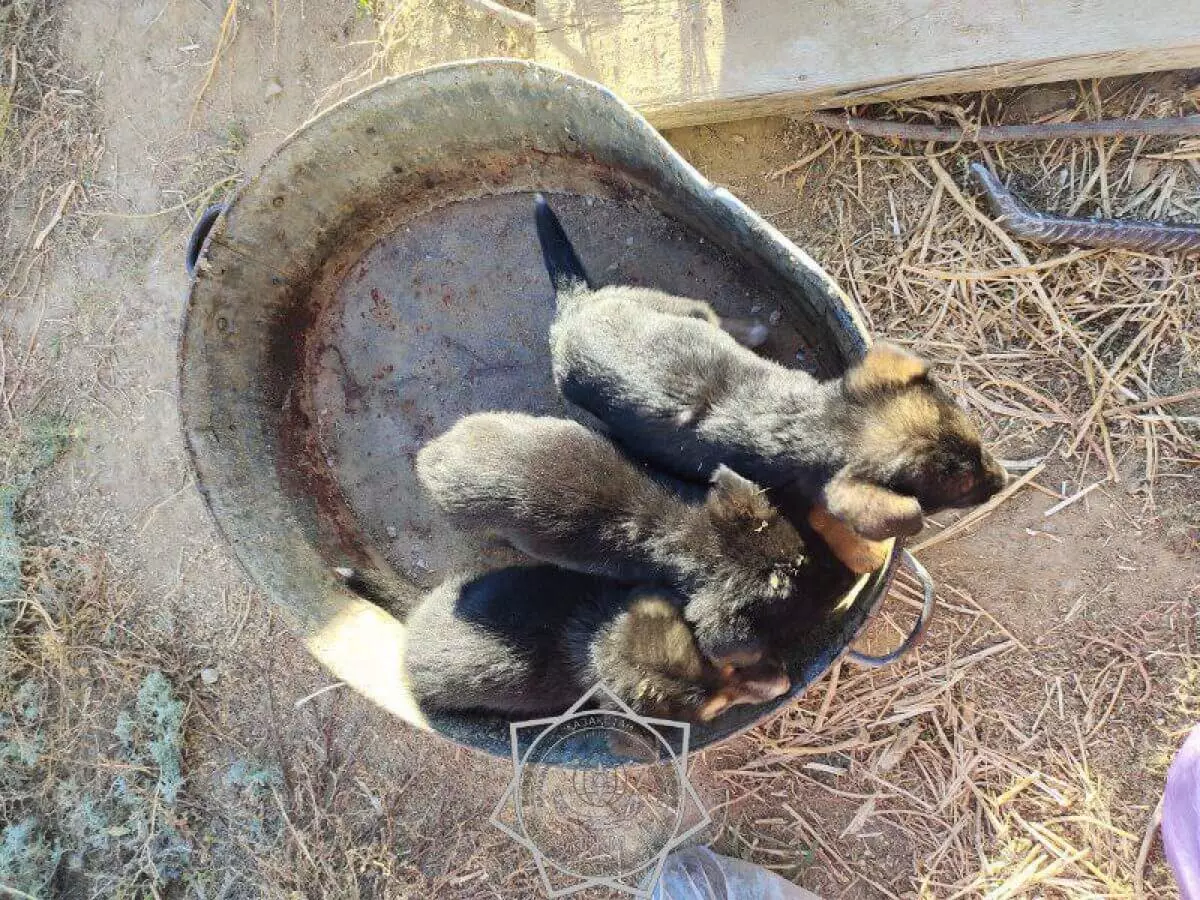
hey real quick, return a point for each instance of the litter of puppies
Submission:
(563, 494)
(665, 570)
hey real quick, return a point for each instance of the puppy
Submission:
(530, 640)
(878, 447)
(565, 495)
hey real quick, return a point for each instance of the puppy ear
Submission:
(870, 509)
(885, 366)
(732, 496)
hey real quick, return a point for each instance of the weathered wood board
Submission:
(685, 62)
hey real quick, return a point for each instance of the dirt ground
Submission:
(159, 733)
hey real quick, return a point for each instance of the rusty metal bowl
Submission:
(380, 277)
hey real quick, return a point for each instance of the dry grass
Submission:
(118, 779)
(48, 151)
(123, 772)
(989, 764)
(417, 33)
(413, 34)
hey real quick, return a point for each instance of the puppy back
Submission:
(512, 466)
(497, 640)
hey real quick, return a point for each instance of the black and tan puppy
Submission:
(531, 640)
(563, 494)
(878, 447)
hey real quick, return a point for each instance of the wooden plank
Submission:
(687, 62)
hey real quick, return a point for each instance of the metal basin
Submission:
(380, 277)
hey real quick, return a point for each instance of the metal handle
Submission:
(918, 631)
(196, 242)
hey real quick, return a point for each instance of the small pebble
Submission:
(209, 676)
(629, 241)
(392, 532)
(274, 89)
(775, 317)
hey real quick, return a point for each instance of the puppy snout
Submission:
(982, 484)
(772, 687)
(993, 481)
(764, 681)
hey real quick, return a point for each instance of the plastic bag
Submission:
(1181, 817)
(696, 873)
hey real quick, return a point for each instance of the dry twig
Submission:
(224, 37)
(505, 14)
(1112, 234)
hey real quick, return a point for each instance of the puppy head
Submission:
(656, 665)
(914, 449)
(653, 661)
(761, 550)
(759, 683)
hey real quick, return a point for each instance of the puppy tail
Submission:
(562, 263)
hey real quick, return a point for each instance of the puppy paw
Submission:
(872, 510)
(857, 553)
(761, 682)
